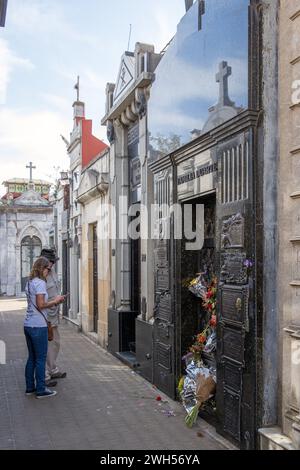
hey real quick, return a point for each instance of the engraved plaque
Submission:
(163, 355)
(162, 276)
(164, 309)
(233, 270)
(234, 304)
(163, 331)
(233, 344)
(232, 405)
(161, 255)
(233, 232)
(233, 377)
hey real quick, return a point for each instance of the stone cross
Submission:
(77, 88)
(31, 167)
(201, 13)
(222, 78)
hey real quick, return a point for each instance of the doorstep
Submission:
(128, 357)
(71, 322)
(273, 439)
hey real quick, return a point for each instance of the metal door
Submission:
(164, 327)
(236, 352)
(30, 251)
(95, 279)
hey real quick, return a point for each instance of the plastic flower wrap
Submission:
(198, 287)
(205, 386)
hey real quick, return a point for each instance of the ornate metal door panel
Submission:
(95, 279)
(30, 251)
(236, 362)
(164, 361)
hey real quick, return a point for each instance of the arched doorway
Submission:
(30, 251)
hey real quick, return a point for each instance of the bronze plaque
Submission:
(163, 282)
(234, 305)
(232, 407)
(164, 308)
(233, 377)
(233, 342)
(233, 270)
(163, 356)
(233, 232)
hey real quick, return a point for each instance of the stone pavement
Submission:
(102, 404)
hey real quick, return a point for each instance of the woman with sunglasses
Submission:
(35, 329)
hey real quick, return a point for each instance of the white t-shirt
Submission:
(33, 317)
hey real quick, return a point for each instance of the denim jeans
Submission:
(37, 344)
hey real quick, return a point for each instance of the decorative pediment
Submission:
(31, 198)
(126, 75)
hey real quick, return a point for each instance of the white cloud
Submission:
(45, 17)
(32, 136)
(9, 60)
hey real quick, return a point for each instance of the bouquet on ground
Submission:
(205, 389)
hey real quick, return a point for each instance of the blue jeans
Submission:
(37, 344)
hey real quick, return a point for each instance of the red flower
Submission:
(201, 339)
(158, 398)
(213, 321)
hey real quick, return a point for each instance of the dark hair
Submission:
(38, 267)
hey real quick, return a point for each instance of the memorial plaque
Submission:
(233, 377)
(233, 232)
(135, 172)
(163, 356)
(162, 279)
(163, 330)
(234, 304)
(233, 342)
(161, 254)
(233, 270)
(164, 308)
(133, 134)
(232, 406)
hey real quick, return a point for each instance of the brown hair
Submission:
(38, 267)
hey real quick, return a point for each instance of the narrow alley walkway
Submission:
(101, 404)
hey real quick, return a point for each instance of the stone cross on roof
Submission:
(31, 167)
(222, 78)
(76, 86)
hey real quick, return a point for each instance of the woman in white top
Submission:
(35, 329)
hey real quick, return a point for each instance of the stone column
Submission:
(18, 270)
(147, 245)
(3, 253)
(124, 242)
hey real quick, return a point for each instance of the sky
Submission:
(44, 46)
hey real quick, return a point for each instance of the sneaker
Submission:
(47, 393)
(51, 383)
(30, 392)
(59, 375)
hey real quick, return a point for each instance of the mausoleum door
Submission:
(164, 355)
(236, 330)
(30, 251)
(95, 279)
